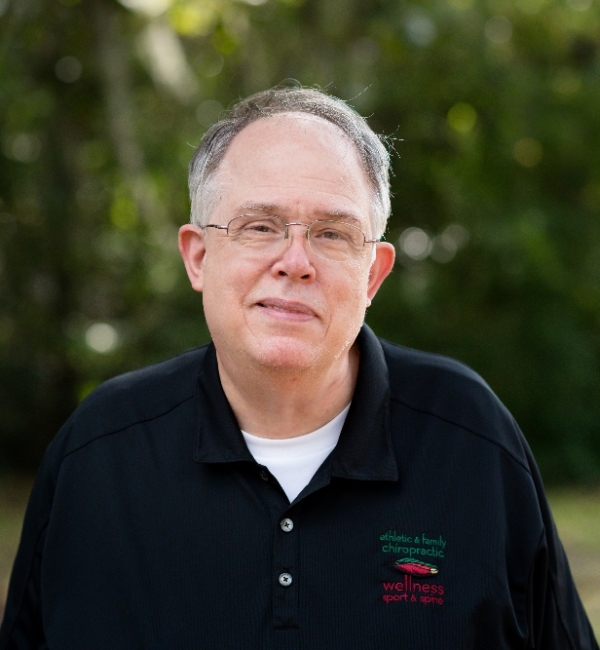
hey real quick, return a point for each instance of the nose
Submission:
(294, 261)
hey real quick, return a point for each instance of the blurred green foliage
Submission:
(491, 108)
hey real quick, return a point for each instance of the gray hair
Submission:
(372, 153)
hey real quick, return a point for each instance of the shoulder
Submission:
(426, 370)
(139, 396)
(451, 392)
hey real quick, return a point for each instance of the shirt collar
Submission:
(364, 451)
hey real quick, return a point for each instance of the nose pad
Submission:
(289, 237)
(297, 262)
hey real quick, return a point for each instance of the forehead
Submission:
(300, 163)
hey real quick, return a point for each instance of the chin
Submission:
(289, 355)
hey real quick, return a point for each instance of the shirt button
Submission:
(286, 525)
(285, 579)
(264, 474)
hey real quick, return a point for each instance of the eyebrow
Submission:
(257, 207)
(272, 208)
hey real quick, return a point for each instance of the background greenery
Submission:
(491, 107)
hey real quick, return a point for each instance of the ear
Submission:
(193, 251)
(385, 255)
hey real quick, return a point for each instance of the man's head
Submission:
(288, 305)
(374, 158)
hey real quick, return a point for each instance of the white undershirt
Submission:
(294, 461)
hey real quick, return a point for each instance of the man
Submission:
(296, 484)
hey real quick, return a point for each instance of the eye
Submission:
(259, 227)
(331, 233)
(250, 226)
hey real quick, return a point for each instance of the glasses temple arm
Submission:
(213, 225)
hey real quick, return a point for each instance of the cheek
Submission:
(217, 291)
(352, 288)
(349, 303)
(227, 281)
(223, 272)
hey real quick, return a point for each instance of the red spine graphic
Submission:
(415, 567)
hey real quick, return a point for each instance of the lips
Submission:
(286, 306)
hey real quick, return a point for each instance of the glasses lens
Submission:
(335, 240)
(257, 231)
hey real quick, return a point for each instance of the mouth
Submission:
(286, 307)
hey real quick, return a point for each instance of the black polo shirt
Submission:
(151, 526)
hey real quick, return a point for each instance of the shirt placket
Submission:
(286, 573)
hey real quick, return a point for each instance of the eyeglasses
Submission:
(260, 234)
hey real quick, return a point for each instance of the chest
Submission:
(215, 557)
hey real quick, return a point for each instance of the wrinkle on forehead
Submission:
(278, 210)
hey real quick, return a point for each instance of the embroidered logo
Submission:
(415, 567)
(416, 585)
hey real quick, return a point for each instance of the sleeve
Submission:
(557, 618)
(22, 627)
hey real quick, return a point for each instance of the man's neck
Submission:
(276, 404)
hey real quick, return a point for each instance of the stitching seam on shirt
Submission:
(462, 426)
(531, 592)
(560, 613)
(29, 579)
(127, 426)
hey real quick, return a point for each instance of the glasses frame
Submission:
(296, 223)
